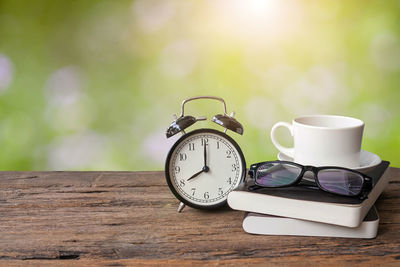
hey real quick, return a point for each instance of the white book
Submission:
(310, 204)
(262, 224)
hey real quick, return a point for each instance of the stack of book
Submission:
(308, 212)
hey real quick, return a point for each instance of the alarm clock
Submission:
(204, 165)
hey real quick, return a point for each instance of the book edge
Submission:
(351, 214)
(297, 227)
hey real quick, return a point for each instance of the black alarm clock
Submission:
(204, 165)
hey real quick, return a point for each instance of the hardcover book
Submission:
(310, 204)
(262, 224)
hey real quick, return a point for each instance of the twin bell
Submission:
(183, 122)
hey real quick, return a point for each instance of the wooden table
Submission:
(126, 218)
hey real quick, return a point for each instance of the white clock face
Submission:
(205, 167)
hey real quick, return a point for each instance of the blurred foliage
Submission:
(92, 85)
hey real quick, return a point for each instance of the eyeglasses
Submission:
(336, 180)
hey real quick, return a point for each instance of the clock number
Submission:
(217, 144)
(220, 191)
(228, 154)
(182, 183)
(229, 180)
(182, 157)
(206, 195)
(191, 146)
(204, 141)
(193, 191)
(177, 169)
(234, 167)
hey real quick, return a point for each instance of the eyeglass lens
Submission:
(339, 181)
(277, 174)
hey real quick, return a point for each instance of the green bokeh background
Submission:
(92, 85)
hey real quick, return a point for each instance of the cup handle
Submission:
(289, 151)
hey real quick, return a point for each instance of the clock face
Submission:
(203, 167)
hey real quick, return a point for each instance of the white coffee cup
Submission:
(323, 140)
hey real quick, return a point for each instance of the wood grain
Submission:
(130, 218)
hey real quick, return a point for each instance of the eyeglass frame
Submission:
(366, 187)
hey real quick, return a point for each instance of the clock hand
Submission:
(205, 156)
(204, 169)
(195, 175)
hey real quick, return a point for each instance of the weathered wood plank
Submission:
(129, 218)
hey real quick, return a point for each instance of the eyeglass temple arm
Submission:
(252, 171)
(369, 184)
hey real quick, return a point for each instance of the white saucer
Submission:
(368, 160)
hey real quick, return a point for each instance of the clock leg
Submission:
(181, 206)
